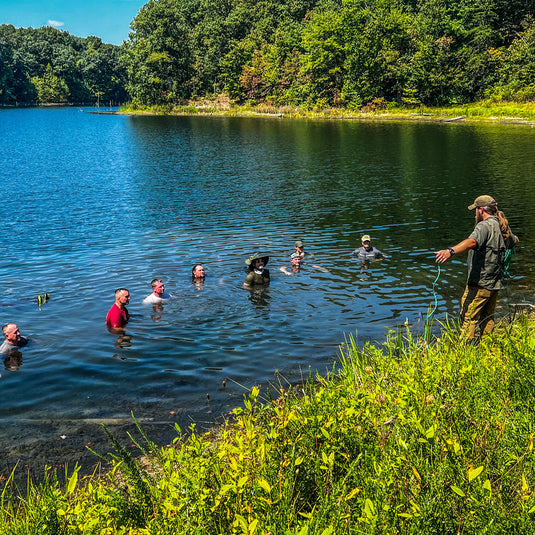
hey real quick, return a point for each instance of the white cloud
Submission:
(56, 23)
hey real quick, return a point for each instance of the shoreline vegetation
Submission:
(413, 435)
(485, 111)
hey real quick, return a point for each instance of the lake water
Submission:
(95, 202)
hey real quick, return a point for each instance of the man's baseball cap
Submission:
(299, 243)
(483, 200)
(366, 237)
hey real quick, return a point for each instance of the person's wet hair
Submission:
(193, 270)
(120, 290)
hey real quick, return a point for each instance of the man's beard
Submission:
(479, 217)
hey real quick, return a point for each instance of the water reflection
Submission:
(407, 185)
(13, 360)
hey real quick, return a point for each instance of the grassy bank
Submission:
(511, 112)
(404, 437)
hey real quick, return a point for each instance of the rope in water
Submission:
(509, 255)
(431, 312)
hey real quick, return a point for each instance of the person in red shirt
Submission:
(118, 315)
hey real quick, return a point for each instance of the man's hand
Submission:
(442, 256)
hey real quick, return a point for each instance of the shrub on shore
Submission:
(407, 436)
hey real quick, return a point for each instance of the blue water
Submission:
(95, 202)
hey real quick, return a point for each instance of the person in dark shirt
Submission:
(367, 251)
(257, 274)
(12, 338)
(486, 248)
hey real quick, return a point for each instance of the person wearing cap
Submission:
(296, 262)
(367, 251)
(300, 248)
(257, 274)
(486, 248)
(295, 259)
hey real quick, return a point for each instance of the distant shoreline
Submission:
(495, 113)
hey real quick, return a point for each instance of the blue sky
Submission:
(107, 19)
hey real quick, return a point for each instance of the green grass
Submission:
(403, 437)
(485, 111)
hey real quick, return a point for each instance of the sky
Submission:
(108, 19)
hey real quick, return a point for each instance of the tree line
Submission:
(46, 65)
(321, 53)
(313, 53)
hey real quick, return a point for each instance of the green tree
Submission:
(324, 55)
(50, 88)
(517, 73)
(157, 56)
(378, 50)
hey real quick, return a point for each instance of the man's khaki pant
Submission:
(477, 311)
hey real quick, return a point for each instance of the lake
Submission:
(96, 202)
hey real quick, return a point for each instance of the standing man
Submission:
(118, 315)
(12, 338)
(158, 293)
(367, 251)
(486, 248)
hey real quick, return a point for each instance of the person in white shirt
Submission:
(158, 293)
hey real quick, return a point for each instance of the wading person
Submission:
(300, 248)
(197, 273)
(118, 315)
(12, 338)
(158, 293)
(295, 259)
(367, 251)
(486, 248)
(198, 276)
(257, 274)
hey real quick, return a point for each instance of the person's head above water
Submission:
(366, 242)
(300, 248)
(295, 258)
(257, 262)
(158, 287)
(122, 297)
(197, 272)
(11, 333)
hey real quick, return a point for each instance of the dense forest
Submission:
(311, 53)
(46, 65)
(319, 53)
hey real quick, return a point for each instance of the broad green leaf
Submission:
(472, 474)
(369, 509)
(416, 473)
(225, 488)
(355, 491)
(72, 482)
(458, 491)
(252, 526)
(265, 485)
